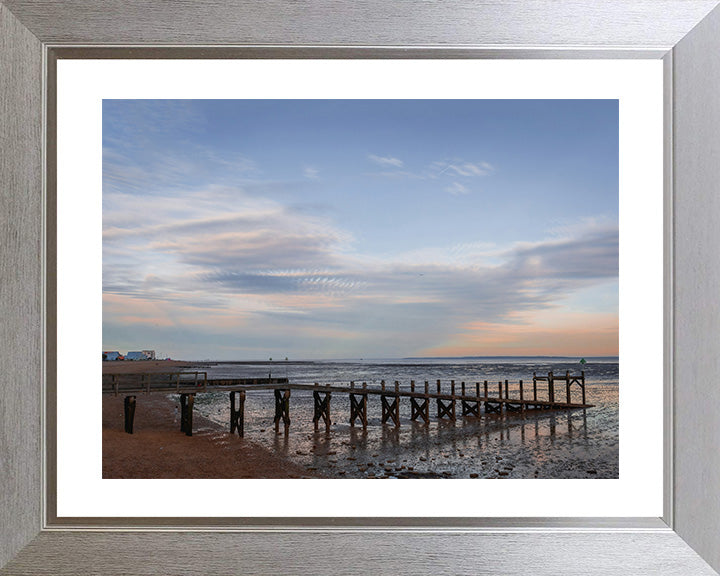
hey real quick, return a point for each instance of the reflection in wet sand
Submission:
(535, 444)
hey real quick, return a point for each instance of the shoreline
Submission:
(566, 444)
(158, 450)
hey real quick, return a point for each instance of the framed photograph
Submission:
(330, 224)
(456, 290)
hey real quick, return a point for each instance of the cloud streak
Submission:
(386, 161)
(277, 266)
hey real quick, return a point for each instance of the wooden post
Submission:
(551, 387)
(452, 402)
(241, 413)
(129, 413)
(438, 401)
(583, 386)
(316, 417)
(470, 408)
(507, 393)
(534, 387)
(567, 386)
(237, 415)
(282, 409)
(364, 409)
(190, 405)
(390, 409)
(412, 385)
(419, 407)
(322, 409)
(382, 384)
(485, 389)
(183, 412)
(397, 386)
(427, 387)
(500, 390)
(233, 414)
(521, 390)
(446, 409)
(358, 409)
(187, 401)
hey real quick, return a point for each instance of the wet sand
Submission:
(540, 444)
(157, 448)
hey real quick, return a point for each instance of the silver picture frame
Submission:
(685, 34)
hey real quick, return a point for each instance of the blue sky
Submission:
(238, 229)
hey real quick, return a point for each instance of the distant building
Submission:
(149, 354)
(137, 355)
(111, 356)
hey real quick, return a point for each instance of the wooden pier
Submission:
(470, 396)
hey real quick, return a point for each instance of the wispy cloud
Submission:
(459, 167)
(386, 161)
(311, 173)
(449, 171)
(457, 189)
(272, 265)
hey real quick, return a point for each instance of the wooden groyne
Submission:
(546, 394)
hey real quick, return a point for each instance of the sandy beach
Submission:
(545, 444)
(158, 449)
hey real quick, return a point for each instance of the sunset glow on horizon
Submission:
(311, 229)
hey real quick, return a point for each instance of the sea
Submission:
(579, 443)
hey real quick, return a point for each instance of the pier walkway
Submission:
(545, 394)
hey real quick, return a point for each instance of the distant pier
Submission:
(551, 392)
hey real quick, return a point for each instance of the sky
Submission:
(326, 229)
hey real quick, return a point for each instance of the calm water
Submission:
(561, 444)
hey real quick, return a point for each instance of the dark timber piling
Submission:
(420, 406)
(282, 409)
(187, 402)
(358, 406)
(446, 407)
(390, 405)
(470, 407)
(129, 413)
(237, 415)
(321, 401)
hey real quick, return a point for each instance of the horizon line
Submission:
(288, 359)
